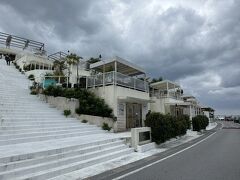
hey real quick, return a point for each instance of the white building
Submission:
(117, 82)
(194, 108)
(169, 99)
(166, 97)
(209, 112)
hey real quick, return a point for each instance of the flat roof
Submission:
(123, 66)
(165, 84)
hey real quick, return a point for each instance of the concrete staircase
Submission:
(38, 142)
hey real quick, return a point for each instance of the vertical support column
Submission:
(190, 113)
(134, 83)
(115, 73)
(167, 90)
(43, 82)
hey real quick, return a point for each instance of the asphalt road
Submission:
(216, 158)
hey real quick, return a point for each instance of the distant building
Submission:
(209, 112)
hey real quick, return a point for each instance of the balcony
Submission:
(166, 94)
(116, 78)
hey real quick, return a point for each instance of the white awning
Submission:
(123, 66)
(135, 100)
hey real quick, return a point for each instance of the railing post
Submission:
(134, 83)
(114, 78)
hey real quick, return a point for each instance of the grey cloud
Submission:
(176, 42)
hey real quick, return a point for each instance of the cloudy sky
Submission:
(193, 42)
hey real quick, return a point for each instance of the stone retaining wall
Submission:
(72, 104)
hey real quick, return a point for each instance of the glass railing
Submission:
(115, 78)
(165, 94)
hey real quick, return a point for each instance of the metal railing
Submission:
(116, 78)
(15, 41)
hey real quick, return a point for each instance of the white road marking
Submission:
(144, 167)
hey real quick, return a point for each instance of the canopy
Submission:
(122, 66)
(164, 85)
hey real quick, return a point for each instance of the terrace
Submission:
(118, 72)
(10, 40)
(166, 89)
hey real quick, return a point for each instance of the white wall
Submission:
(115, 97)
(73, 73)
(158, 105)
(38, 74)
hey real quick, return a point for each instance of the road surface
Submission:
(214, 158)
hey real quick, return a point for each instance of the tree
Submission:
(74, 59)
(59, 66)
(93, 60)
(156, 80)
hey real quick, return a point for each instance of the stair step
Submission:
(50, 173)
(47, 137)
(45, 166)
(68, 153)
(34, 134)
(37, 127)
(47, 129)
(45, 150)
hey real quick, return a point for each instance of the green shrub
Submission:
(89, 103)
(31, 77)
(200, 122)
(67, 113)
(106, 127)
(53, 91)
(166, 126)
(33, 93)
(69, 93)
(84, 121)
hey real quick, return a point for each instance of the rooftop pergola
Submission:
(58, 56)
(165, 85)
(15, 41)
(119, 65)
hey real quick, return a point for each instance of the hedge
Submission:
(89, 103)
(165, 127)
(200, 122)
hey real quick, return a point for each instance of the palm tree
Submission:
(74, 59)
(59, 66)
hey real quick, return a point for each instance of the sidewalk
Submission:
(118, 163)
